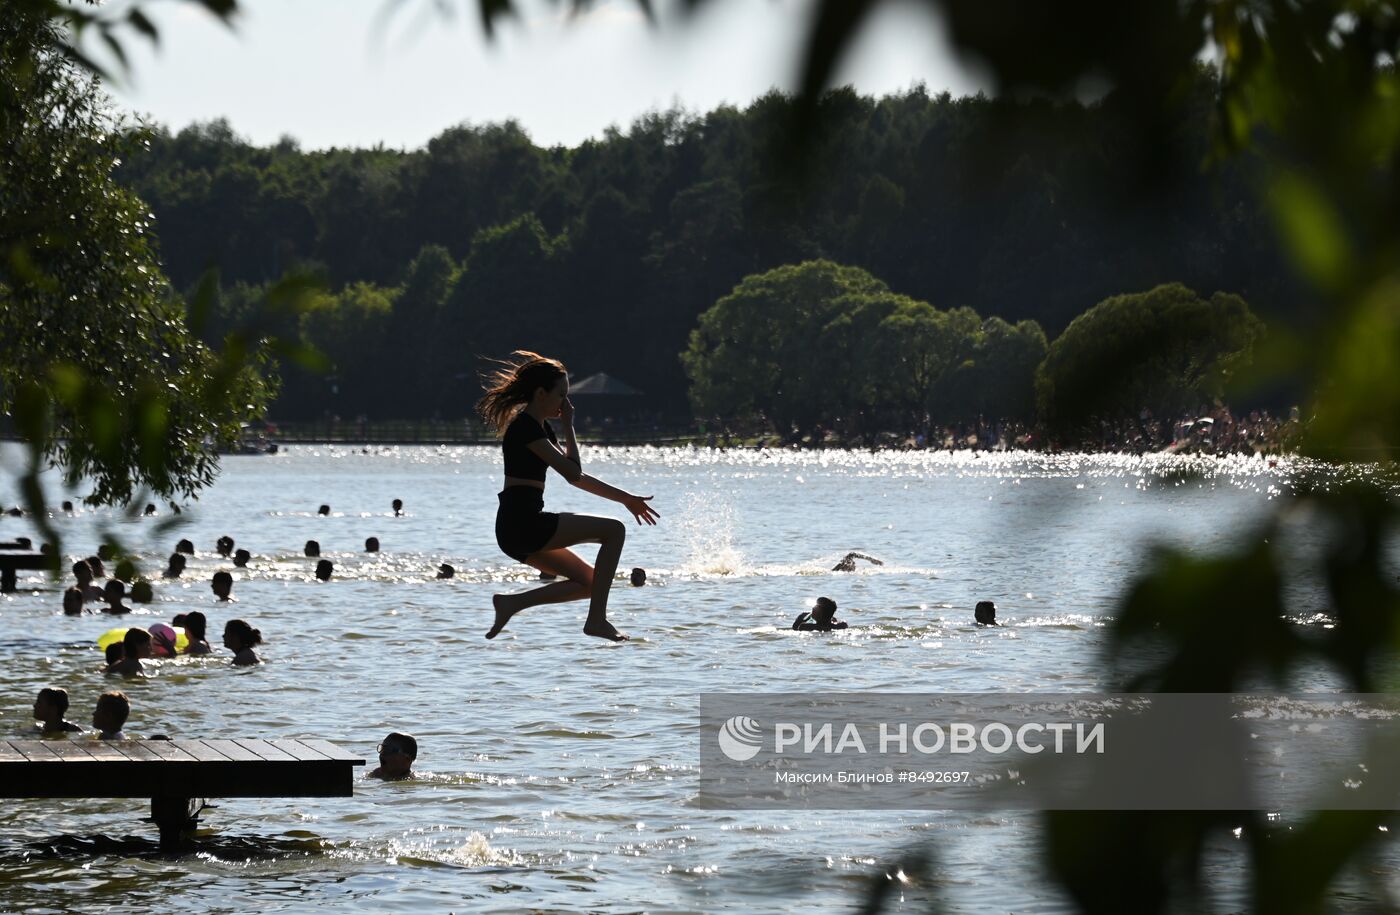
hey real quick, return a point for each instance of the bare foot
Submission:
(604, 630)
(503, 614)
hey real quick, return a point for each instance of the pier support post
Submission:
(176, 817)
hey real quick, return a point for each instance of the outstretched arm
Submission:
(637, 505)
(571, 471)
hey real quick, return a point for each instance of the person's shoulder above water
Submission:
(821, 618)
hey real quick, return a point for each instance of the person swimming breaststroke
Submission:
(522, 396)
(821, 618)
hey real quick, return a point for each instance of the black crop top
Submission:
(521, 461)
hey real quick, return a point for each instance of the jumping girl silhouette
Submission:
(521, 397)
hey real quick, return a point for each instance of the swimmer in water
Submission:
(240, 638)
(176, 568)
(224, 546)
(821, 618)
(396, 756)
(240, 558)
(73, 601)
(371, 544)
(113, 594)
(82, 573)
(222, 585)
(521, 398)
(848, 562)
(445, 571)
(113, 708)
(398, 507)
(136, 644)
(49, 710)
(185, 546)
(324, 569)
(196, 630)
(638, 577)
(985, 613)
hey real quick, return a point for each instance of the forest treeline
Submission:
(608, 253)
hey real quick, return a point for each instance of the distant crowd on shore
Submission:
(1208, 430)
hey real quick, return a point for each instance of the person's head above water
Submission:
(985, 613)
(824, 610)
(312, 549)
(177, 565)
(241, 557)
(111, 713)
(396, 755)
(523, 379)
(136, 643)
(238, 635)
(82, 572)
(446, 571)
(323, 510)
(324, 569)
(371, 544)
(94, 563)
(185, 546)
(105, 552)
(51, 705)
(398, 506)
(639, 577)
(114, 591)
(73, 601)
(196, 625)
(222, 584)
(142, 592)
(224, 545)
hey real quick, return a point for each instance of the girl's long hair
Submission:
(512, 385)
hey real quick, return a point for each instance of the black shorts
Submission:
(522, 525)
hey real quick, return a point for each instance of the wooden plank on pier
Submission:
(173, 769)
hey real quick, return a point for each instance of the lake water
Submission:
(559, 772)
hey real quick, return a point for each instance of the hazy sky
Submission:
(338, 73)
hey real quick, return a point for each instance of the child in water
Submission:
(240, 638)
(136, 644)
(821, 618)
(110, 715)
(396, 756)
(49, 710)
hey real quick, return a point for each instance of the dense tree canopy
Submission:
(822, 345)
(97, 366)
(1166, 349)
(607, 253)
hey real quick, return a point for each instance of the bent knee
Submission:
(616, 530)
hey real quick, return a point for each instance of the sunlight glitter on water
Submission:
(599, 737)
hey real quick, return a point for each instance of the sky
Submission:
(341, 73)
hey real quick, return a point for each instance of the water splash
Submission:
(707, 523)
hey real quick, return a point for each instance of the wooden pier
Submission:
(177, 775)
(14, 556)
